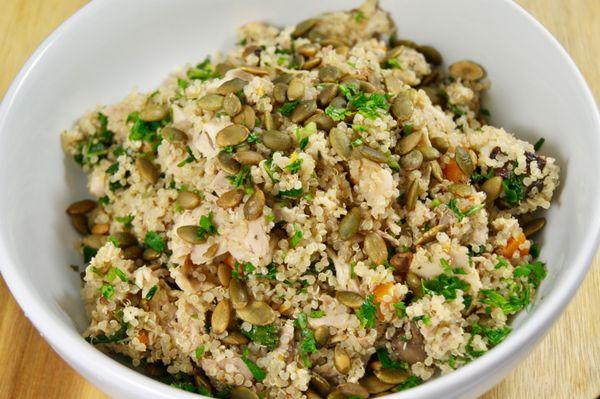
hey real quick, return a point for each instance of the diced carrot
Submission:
(143, 337)
(230, 261)
(379, 293)
(512, 245)
(453, 172)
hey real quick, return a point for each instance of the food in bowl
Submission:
(322, 212)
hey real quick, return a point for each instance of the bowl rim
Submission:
(86, 359)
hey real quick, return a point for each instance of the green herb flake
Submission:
(287, 108)
(126, 220)
(155, 241)
(151, 292)
(367, 105)
(189, 159)
(393, 64)
(367, 312)
(445, 285)
(400, 308)
(533, 272)
(182, 83)
(258, 373)
(292, 193)
(113, 273)
(308, 345)
(296, 237)
(513, 189)
(199, 352)
(113, 240)
(263, 335)
(316, 314)
(410, 382)
(337, 114)
(112, 169)
(295, 166)
(207, 227)
(202, 71)
(356, 142)
(88, 253)
(242, 179)
(388, 363)
(107, 291)
(538, 144)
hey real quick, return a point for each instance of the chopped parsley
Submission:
(119, 335)
(356, 142)
(113, 273)
(445, 284)
(155, 241)
(287, 108)
(367, 313)
(513, 189)
(151, 292)
(207, 227)
(199, 352)
(126, 220)
(538, 144)
(359, 16)
(263, 335)
(294, 166)
(202, 71)
(533, 272)
(367, 105)
(316, 314)
(96, 146)
(107, 291)
(400, 309)
(517, 299)
(387, 363)
(292, 193)
(460, 215)
(113, 240)
(477, 177)
(337, 114)
(392, 63)
(502, 262)
(242, 179)
(308, 344)
(296, 237)
(145, 131)
(88, 253)
(189, 159)
(258, 373)
(112, 169)
(242, 269)
(410, 382)
(182, 83)
(534, 250)
(485, 112)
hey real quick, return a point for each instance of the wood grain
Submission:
(565, 365)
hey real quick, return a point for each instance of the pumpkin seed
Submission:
(429, 153)
(248, 157)
(257, 313)
(125, 239)
(327, 93)
(436, 171)
(312, 63)
(440, 143)
(147, 170)
(81, 207)
(202, 382)
(375, 248)
(414, 284)
(340, 142)
(373, 385)
(80, 223)
(322, 335)
(431, 54)
(152, 112)
(243, 393)
(307, 50)
(133, 253)
(304, 27)
(412, 160)
(353, 390)
(323, 121)
(431, 234)
(320, 384)
(224, 275)
(232, 104)
(303, 111)
(255, 70)
(221, 316)
(349, 298)
(408, 143)
(100, 228)
(466, 70)
(402, 107)
(310, 394)
(238, 294)
(341, 360)
(188, 200)
(393, 84)
(211, 102)
(295, 89)
(464, 161)
(211, 251)
(329, 74)
(434, 94)
(247, 117)
(173, 135)
(222, 67)
(231, 198)
(372, 154)
(189, 234)
(231, 86)
(232, 135)
(338, 102)
(462, 190)
(533, 226)
(333, 42)
(235, 338)
(280, 92)
(94, 241)
(150, 254)
(350, 224)
(401, 262)
(411, 195)
(391, 376)
(276, 140)
(283, 78)
(268, 121)
(336, 395)
(253, 208)
(492, 188)
(227, 163)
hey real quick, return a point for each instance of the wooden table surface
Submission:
(565, 365)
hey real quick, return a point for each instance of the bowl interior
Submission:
(113, 46)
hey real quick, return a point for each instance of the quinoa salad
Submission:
(322, 212)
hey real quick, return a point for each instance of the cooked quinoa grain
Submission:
(322, 211)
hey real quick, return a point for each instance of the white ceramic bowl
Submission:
(110, 46)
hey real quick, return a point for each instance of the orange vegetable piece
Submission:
(379, 292)
(143, 337)
(453, 172)
(512, 245)
(230, 261)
